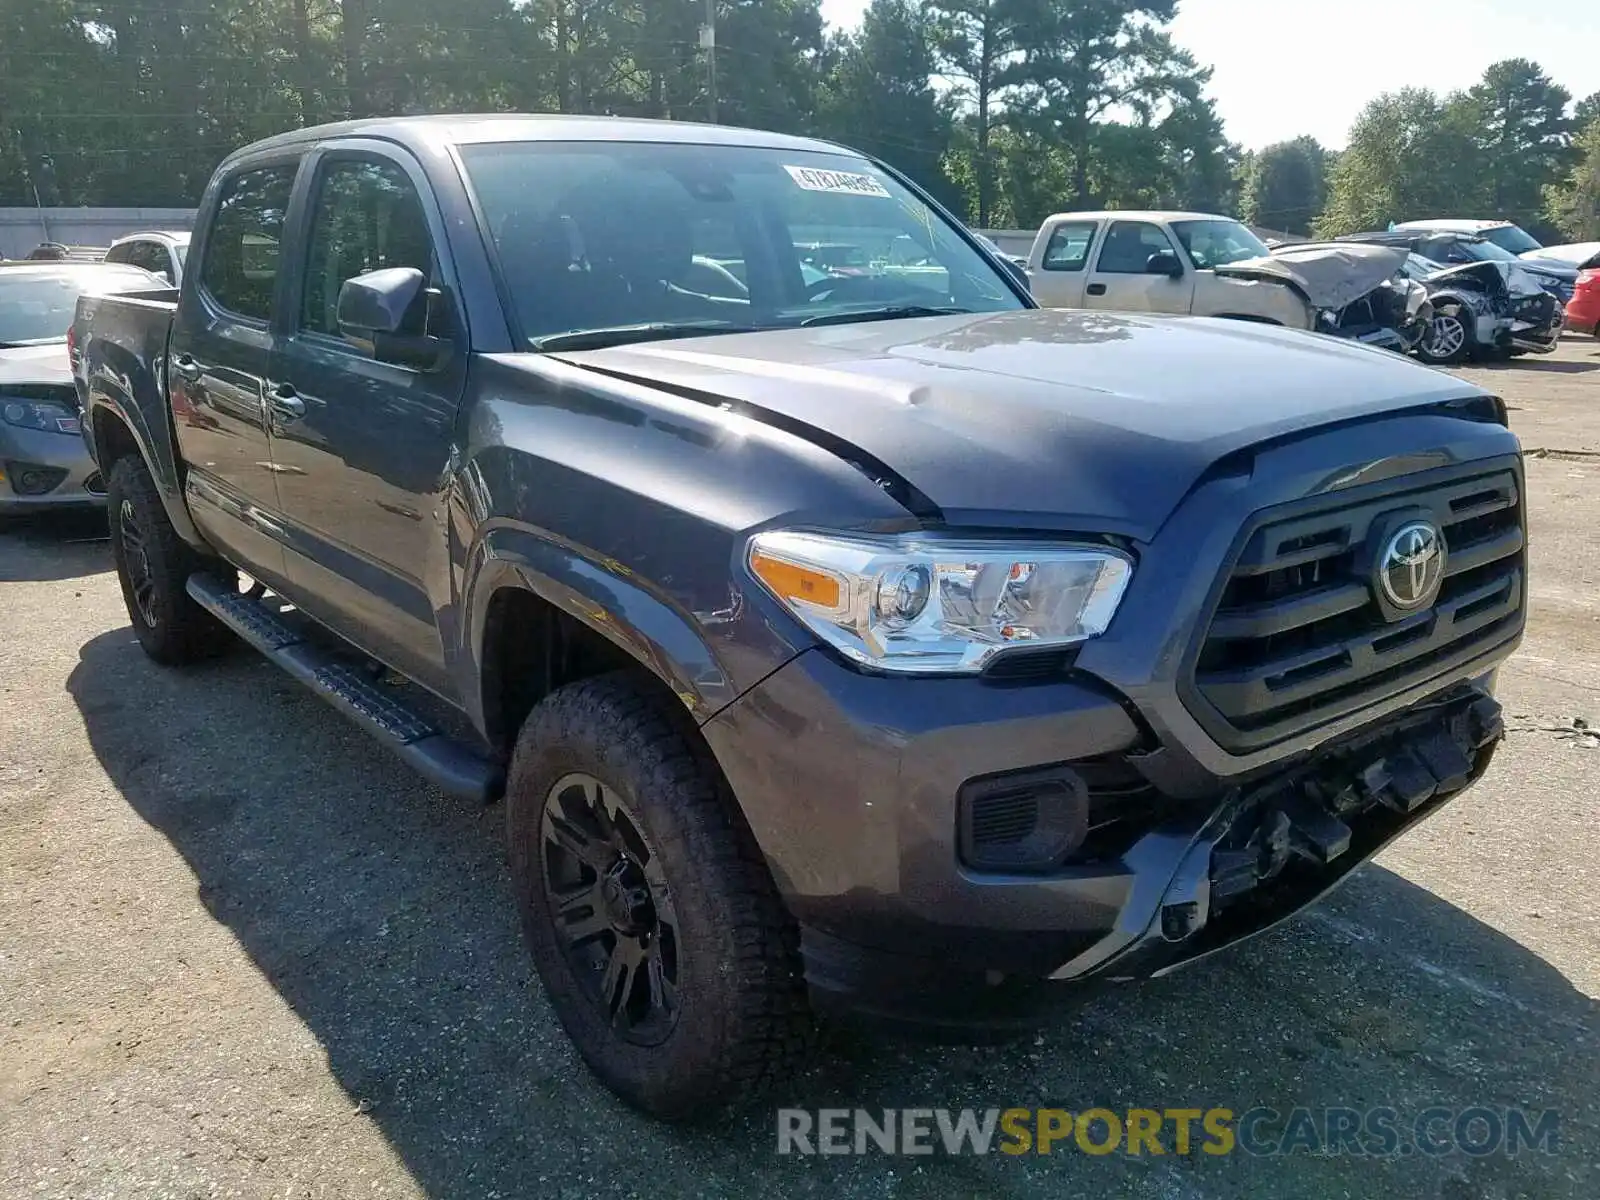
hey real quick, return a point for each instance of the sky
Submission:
(1289, 67)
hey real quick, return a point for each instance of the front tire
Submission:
(1448, 338)
(154, 565)
(650, 915)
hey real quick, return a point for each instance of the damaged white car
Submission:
(1484, 309)
(1353, 291)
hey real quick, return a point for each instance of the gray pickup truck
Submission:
(841, 639)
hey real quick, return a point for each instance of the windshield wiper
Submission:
(893, 312)
(622, 335)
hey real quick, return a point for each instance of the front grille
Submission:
(1298, 635)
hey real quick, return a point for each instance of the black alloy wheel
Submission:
(611, 906)
(136, 559)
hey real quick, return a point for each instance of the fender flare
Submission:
(157, 454)
(602, 596)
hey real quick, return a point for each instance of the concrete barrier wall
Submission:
(21, 229)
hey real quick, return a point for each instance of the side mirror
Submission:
(1163, 262)
(390, 309)
(1017, 272)
(382, 302)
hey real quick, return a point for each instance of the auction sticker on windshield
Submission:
(814, 180)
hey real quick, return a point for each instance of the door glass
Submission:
(1129, 245)
(1069, 246)
(152, 256)
(366, 217)
(241, 267)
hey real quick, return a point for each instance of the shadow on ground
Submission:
(380, 911)
(1553, 366)
(53, 546)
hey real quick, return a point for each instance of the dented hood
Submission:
(1327, 276)
(1057, 418)
(1519, 281)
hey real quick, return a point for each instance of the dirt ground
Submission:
(243, 952)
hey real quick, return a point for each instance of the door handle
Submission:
(186, 366)
(1096, 289)
(286, 402)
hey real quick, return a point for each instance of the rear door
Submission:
(1120, 280)
(363, 446)
(1058, 277)
(221, 349)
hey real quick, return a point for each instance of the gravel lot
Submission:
(245, 953)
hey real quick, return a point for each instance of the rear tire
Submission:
(681, 985)
(154, 564)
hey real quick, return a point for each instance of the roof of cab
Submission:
(1137, 214)
(1452, 224)
(467, 128)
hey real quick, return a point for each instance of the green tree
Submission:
(1586, 111)
(1084, 63)
(1520, 115)
(1408, 155)
(974, 42)
(1286, 186)
(880, 98)
(1573, 204)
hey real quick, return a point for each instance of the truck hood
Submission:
(35, 364)
(1329, 277)
(1041, 418)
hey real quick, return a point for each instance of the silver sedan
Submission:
(43, 463)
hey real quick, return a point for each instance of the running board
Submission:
(444, 761)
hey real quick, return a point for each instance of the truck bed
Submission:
(119, 359)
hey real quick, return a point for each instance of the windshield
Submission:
(36, 307)
(1418, 267)
(1216, 243)
(1488, 252)
(659, 240)
(1512, 238)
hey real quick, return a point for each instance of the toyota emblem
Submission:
(1412, 565)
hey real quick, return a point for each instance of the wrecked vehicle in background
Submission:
(1483, 309)
(1356, 292)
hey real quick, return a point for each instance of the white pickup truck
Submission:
(1157, 262)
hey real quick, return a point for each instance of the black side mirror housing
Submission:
(382, 302)
(1017, 272)
(1164, 262)
(390, 309)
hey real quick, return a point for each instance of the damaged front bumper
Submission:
(1536, 337)
(1268, 850)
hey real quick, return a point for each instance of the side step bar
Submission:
(444, 761)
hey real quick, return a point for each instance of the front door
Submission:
(363, 446)
(221, 347)
(1121, 280)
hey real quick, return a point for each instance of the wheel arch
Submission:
(118, 430)
(541, 615)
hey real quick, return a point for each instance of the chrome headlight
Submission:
(930, 603)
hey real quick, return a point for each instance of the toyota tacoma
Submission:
(867, 642)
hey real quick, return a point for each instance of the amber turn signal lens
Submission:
(795, 582)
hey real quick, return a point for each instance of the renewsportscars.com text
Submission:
(1378, 1132)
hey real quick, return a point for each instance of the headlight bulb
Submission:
(903, 593)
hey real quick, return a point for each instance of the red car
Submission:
(1583, 310)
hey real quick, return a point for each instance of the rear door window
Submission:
(242, 261)
(1069, 246)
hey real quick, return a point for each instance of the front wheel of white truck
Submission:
(154, 565)
(652, 919)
